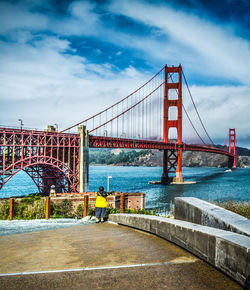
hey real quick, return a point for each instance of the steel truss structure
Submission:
(49, 158)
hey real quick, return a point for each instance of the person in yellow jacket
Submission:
(101, 204)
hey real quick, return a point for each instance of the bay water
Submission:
(212, 184)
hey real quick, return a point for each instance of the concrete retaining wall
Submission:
(197, 211)
(229, 252)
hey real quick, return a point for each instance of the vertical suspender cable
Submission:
(139, 116)
(191, 120)
(122, 121)
(112, 123)
(196, 108)
(150, 114)
(117, 124)
(146, 110)
(142, 112)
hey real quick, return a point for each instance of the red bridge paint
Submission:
(49, 158)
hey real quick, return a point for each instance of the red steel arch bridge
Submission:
(161, 114)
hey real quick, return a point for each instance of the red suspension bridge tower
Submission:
(232, 148)
(172, 158)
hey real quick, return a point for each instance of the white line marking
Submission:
(98, 268)
(112, 223)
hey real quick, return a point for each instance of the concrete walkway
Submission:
(102, 256)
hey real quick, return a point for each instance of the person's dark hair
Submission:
(101, 188)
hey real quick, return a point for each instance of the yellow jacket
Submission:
(101, 201)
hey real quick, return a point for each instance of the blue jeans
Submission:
(100, 212)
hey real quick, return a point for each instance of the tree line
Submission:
(108, 157)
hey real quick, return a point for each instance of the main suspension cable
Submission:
(113, 104)
(127, 110)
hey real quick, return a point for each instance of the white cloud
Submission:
(43, 80)
(42, 83)
(216, 49)
(83, 11)
(18, 17)
(81, 21)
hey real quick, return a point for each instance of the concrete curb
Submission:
(229, 252)
(197, 211)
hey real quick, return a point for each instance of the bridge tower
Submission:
(232, 148)
(172, 159)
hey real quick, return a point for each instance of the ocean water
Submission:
(212, 184)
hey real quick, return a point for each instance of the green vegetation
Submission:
(106, 157)
(4, 210)
(128, 210)
(62, 209)
(33, 207)
(241, 208)
(79, 211)
(30, 207)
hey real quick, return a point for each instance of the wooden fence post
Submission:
(47, 208)
(86, 205)
(12, 201)
(122, 203)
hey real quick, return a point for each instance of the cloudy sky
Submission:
(62, 61)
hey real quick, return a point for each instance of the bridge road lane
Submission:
(98, 246)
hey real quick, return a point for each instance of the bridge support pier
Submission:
(84, 159)
(172, 164)
(169, 162)
(179, 178)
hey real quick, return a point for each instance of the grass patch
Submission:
(242, 208)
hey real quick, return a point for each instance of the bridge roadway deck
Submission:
(117, 258)
(110, 142)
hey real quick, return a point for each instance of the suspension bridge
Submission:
(161, 114)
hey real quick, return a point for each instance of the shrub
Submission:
(29, 208)
(62, 209)
(111, 210)
(79, 211)
(128, 210)
(241, 208)
(4, 210)
(91, 211)
(140, 211)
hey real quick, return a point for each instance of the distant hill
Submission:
(243, 151)
(240, 150)
(128, 157)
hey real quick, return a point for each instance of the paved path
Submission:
(102, 256)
